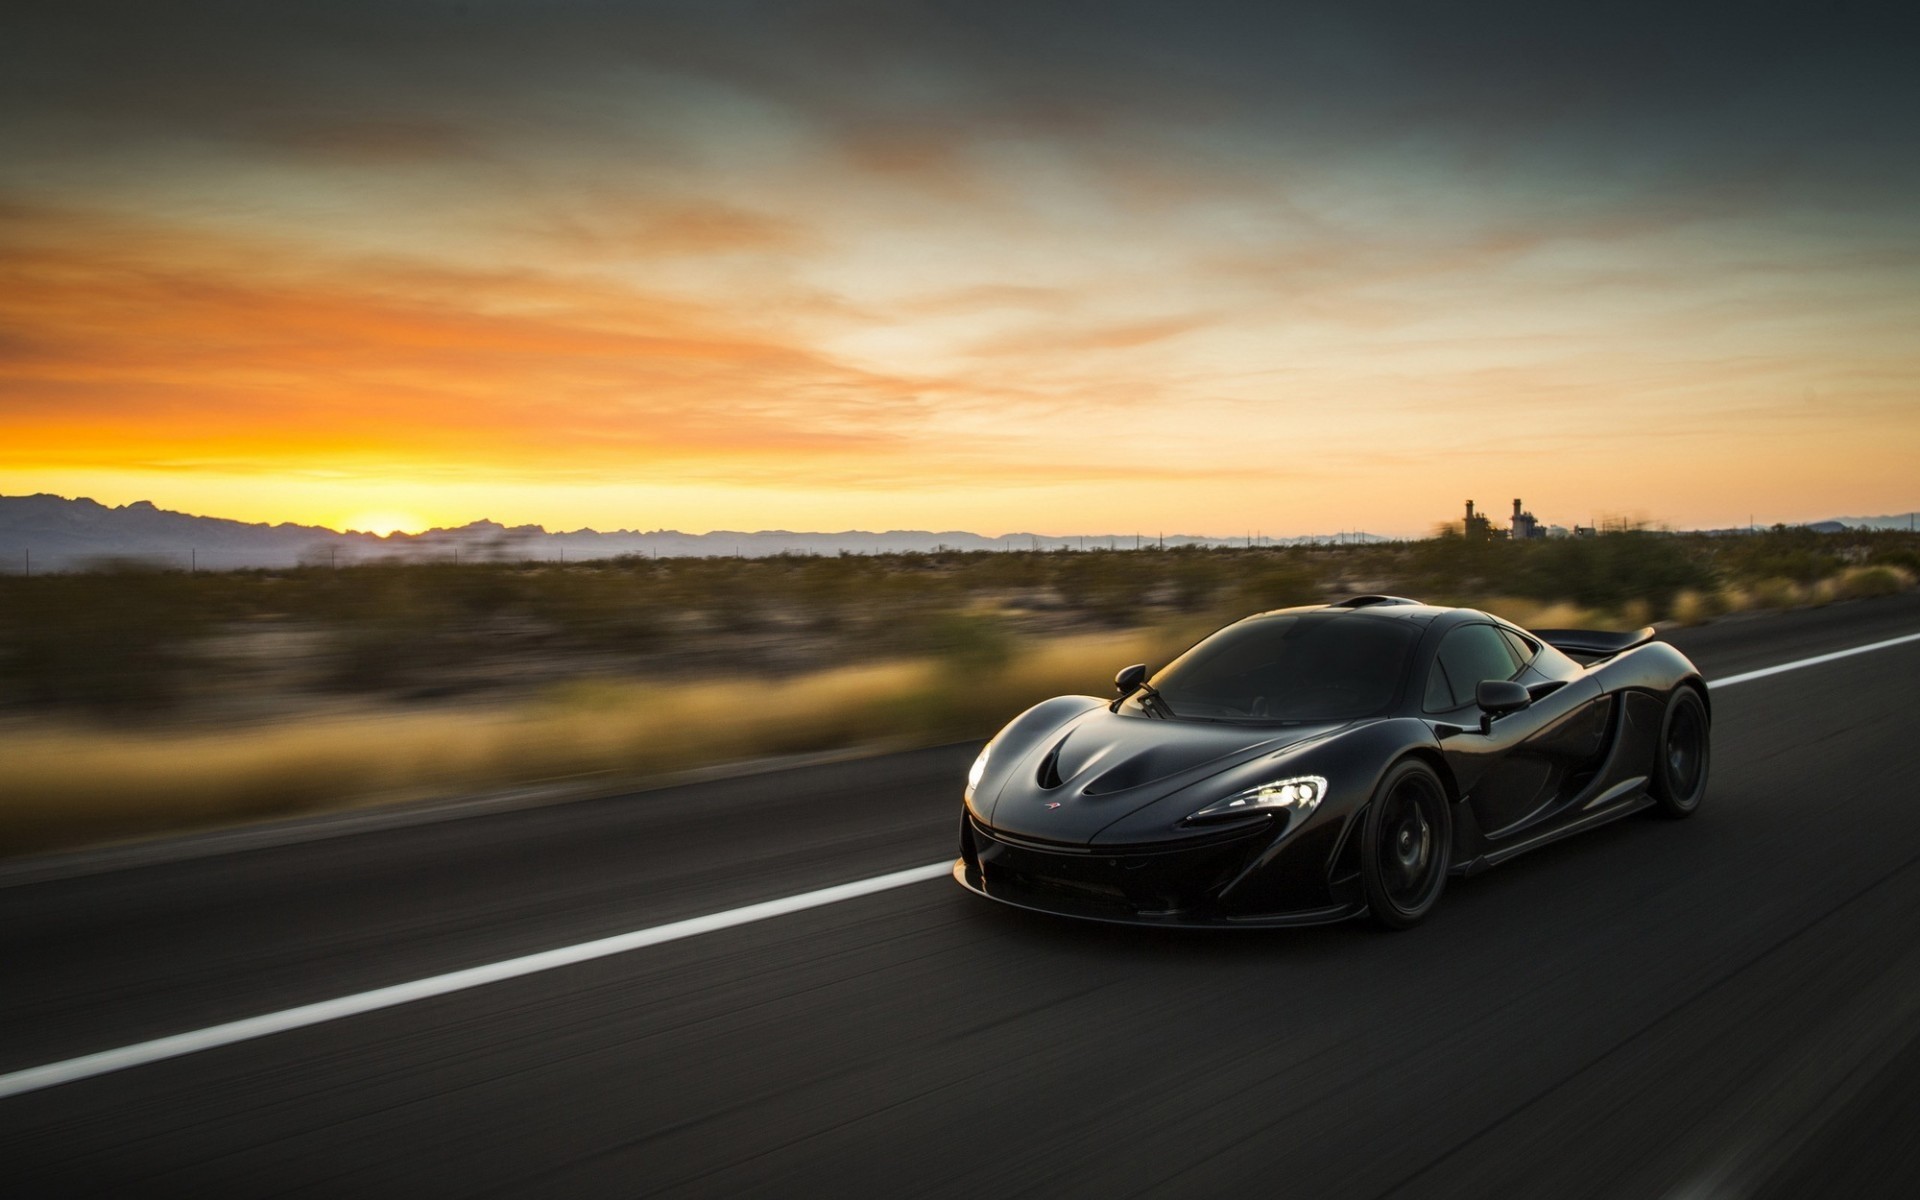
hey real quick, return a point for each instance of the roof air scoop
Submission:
(1370, 601)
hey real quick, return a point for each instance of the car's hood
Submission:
(1102, 766)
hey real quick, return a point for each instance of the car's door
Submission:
(1512, 775)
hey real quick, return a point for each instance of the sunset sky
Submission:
(1070, 268)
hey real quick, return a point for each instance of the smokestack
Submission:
(1469, 510)
(1516, 509)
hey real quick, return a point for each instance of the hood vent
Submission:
(1050, 767)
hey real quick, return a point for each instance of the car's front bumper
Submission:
(1177, 885)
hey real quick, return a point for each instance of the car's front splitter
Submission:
(1063, 906)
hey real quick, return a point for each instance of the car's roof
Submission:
(1393, 607)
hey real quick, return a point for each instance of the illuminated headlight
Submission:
(1297, 797)
(979, 768)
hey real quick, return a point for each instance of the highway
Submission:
(1726, 1006)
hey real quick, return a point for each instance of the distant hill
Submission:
(58, 534)
(1904, 521)
(1907, 520)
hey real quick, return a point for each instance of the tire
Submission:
(1406, 845)
(1679, 778)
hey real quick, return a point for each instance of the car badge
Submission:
(1053, 804)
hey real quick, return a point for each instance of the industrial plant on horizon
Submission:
(1479, 527)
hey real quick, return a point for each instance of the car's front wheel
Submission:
(1406, 845)
(1680, 773)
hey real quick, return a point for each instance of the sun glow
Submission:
(384, 523)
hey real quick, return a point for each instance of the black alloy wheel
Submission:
(1680, 769)
(1406, 845)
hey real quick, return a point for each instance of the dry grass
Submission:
(1775, 594)
(63, 787)
(1859, 583)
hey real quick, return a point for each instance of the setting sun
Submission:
(384, 523)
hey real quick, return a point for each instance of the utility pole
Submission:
(29, 555)
(193, 560)
(330, 563)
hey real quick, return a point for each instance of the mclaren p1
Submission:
(1310, 765)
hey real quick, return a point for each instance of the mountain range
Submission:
(52, 533)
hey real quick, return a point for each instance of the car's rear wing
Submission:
(1593, 643)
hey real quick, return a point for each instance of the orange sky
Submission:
(714, 297)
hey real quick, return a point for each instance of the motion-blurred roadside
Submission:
(135, 700)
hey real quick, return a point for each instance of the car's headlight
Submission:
(1298, 796)
(979, 768)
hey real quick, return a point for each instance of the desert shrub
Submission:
(1272, 583)
(1102, 585)
(969, 642)
(1450, 563)
(607, 610)
(1192, 577)
(1902, 558)
(1859, 583)
(1691, 606)
(1775, 593)
(1608, 571)
(1795, 554)
(117, 639)
(388, 626)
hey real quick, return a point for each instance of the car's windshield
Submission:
(1292, 667)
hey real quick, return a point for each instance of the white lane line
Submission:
(89, 1065)
(1816, 660)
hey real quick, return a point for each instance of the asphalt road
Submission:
(1727, 1006)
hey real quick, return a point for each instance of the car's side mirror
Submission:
(1128, 681)
(1497, 698)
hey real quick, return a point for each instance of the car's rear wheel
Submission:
(1679, 777)
(1406, 845)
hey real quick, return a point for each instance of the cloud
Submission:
(394, 141)
(140, 347)
(1068, 339)
(1648, 93)
(137, 345)
(634, 225)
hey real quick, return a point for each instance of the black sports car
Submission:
(1313, 764)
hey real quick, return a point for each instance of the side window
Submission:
(1439, 691)
(1523, 647)
(1470, 654)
